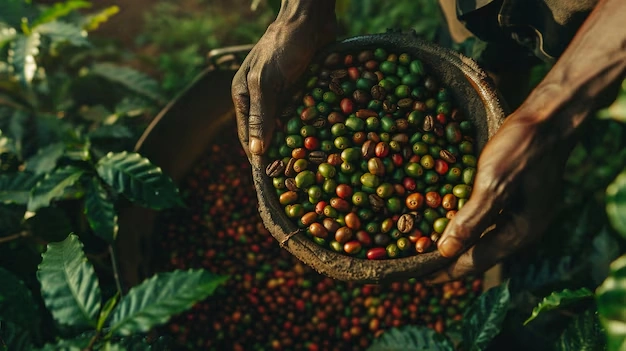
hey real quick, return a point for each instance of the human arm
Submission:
(275, 63)
(520, 169)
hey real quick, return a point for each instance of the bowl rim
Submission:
(349, 268)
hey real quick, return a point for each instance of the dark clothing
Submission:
(543, 26)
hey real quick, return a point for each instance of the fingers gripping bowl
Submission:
(401, 74)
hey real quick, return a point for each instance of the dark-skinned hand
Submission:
(275, 63)
(516, 189)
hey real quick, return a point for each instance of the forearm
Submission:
(594, 60)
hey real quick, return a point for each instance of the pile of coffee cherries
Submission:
(373, 158)
(272, 301)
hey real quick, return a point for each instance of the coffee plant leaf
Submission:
(155, 300)
(412, 338)
(482, 321)
(610, 297)
(559, 299)
(17, 305)
(76, 344)
(113, 347)
(584, 333)
(115, 131)
(616, 203)
(60, 9)
(129, 78)
(100, 211)
(69, 285)
(24, 49)
(139, 180)
(538, 274)
(93, 21)
(106, 311)
(13, 11)
(7, 34)
(14, 338)
(604, 250)
(53, 186)
(62, 32)
(15, 187)
(140, 342)
(46, 158)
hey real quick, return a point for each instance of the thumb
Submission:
(473, 219)
(263, 99)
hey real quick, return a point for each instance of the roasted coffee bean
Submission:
(275, 168)
(406, 222)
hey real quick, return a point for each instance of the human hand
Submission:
(274, 64)
(517, 188)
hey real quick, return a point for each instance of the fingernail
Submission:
(450, 247)
(256, 146)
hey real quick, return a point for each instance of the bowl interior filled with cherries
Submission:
(374, 155)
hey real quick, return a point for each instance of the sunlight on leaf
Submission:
(59, 10)
(616, 203)
(93, 22)
(22, 53)
(54, 186)
(559, 299)
(69, 284)
(139, 180)
(611, 297)
(157, 299)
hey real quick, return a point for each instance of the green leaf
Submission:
(115, 131)
(411, 338)
(59, 10)
(100, 211)
(140, 342)
(7, 34)
(54, 186)
(483, 320)
(559, 299)
(582, 334)
(14, 338)
(616, 203)
(113, 347)
(17, 305)
(76, 344)
(92, 22)
(106, 311)
(15, 187)
(22, 54)
(69, 285)
(610, 297)
(139, 180)
(46, 158)
(60, 32)
(154, 301)
(133, 106)
(132, 79)
(604, 250)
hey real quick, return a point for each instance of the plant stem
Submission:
(92, 342)
(15, 236)
(116, 273)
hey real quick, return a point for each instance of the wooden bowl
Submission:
(477, 99)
